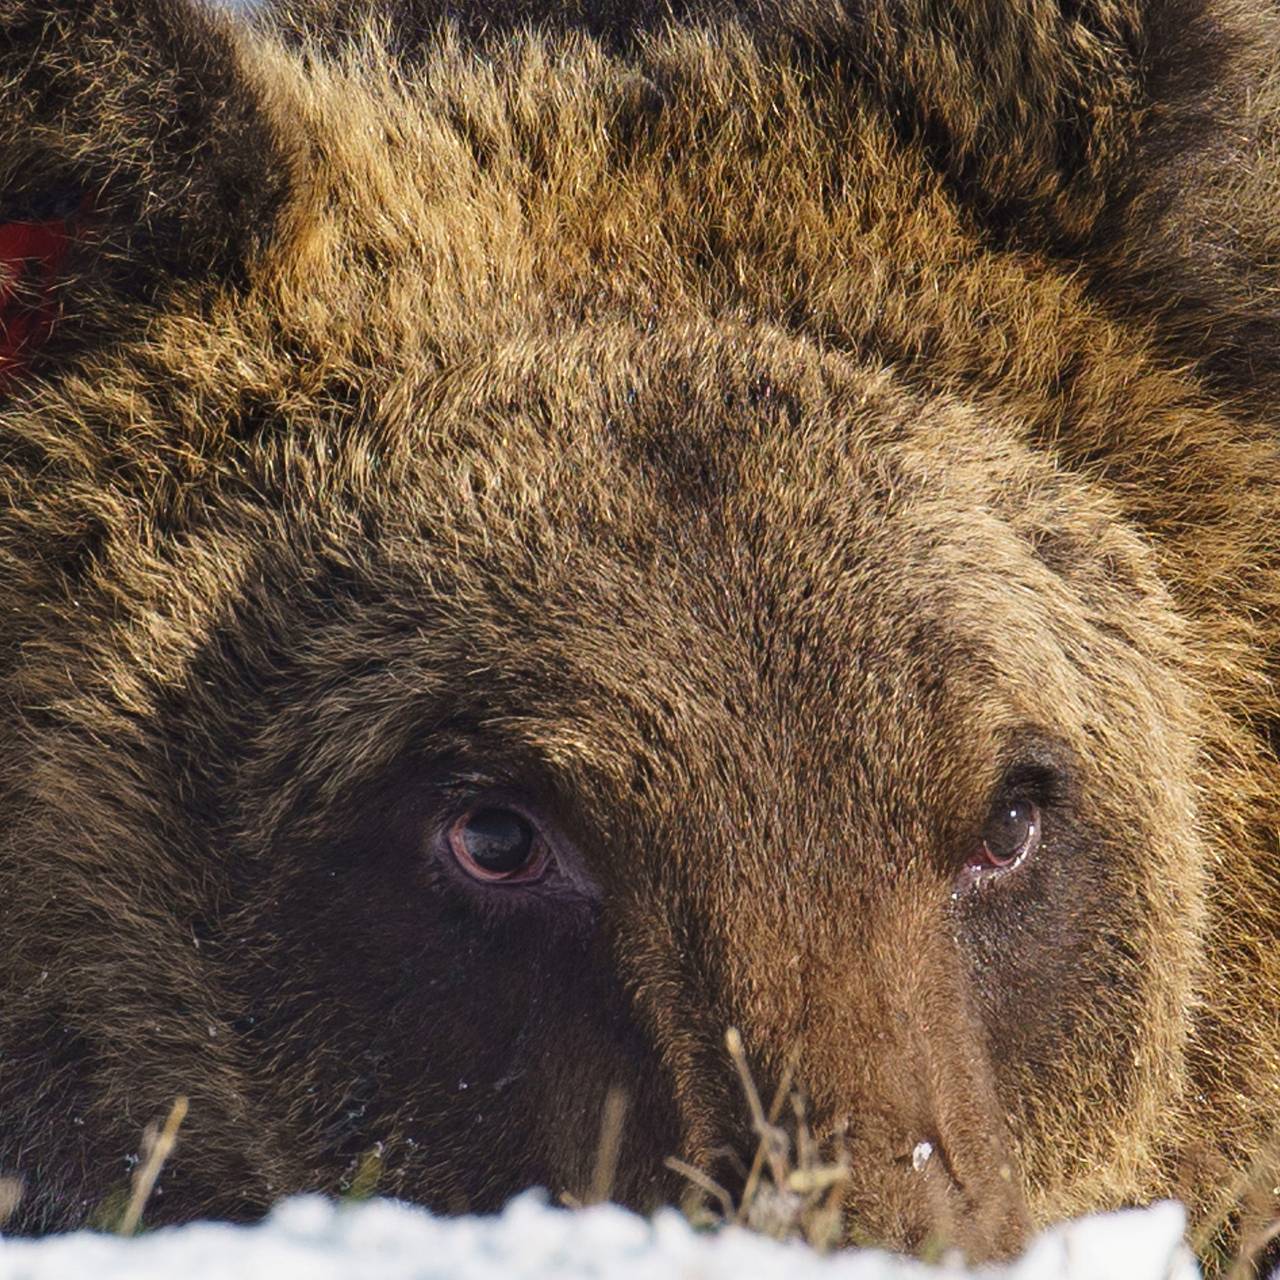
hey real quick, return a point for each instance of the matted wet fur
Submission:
(758, 448)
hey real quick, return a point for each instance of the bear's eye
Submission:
(1011, 833)
(498, 844)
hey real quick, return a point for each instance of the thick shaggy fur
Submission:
(756, 442)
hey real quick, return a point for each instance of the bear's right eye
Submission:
(496, 844)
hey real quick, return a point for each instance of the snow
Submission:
(309, 1238)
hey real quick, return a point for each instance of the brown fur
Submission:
(749, 441)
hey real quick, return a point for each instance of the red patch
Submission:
(32, 255)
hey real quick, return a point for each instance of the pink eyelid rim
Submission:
(532, 870)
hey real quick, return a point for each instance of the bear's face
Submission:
(551, 563)
(788, 720)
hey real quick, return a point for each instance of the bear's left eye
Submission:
(1011, 833)
(493, 844)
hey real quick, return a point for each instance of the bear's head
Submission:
(519, 558)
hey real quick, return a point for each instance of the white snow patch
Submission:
(309, 1238)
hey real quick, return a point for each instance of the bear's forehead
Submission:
(807, 521)
(734, 638)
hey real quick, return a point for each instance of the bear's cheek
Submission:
(1053, 962)
(485, 1017)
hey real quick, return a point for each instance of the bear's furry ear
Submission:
(135, 153)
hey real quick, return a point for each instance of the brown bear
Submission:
(531, 536)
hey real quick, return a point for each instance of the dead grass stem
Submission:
(157, 1147)
(791, 1190)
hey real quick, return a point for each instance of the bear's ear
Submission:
(136, 153)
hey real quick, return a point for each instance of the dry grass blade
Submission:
(158, 1149)
(787, 1193)
(612, 1118)
(775, 1112)
(774, 1145)
(11, 1190)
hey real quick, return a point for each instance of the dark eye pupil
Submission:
(498, 840)
(1008, 831)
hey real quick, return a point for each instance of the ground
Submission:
(309, 1238)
